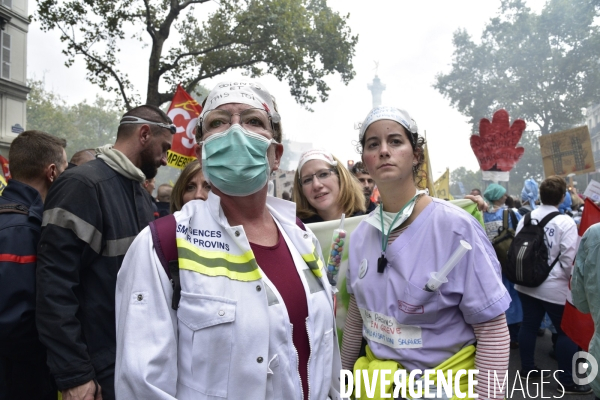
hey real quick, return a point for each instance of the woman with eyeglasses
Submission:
(324, 189)
(407, 322)
(255, 315)
(191, 185)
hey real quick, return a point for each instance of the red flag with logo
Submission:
(577, 325)
(5, 170)
(4, 173)
(184, 111)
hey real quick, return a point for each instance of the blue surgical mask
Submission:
(235, 161)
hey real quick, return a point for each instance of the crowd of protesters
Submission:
(91, 307)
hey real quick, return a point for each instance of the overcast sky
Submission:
(411, 40)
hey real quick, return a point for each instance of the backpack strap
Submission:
(547, 219)
(505, 219)
(165, 243)
(300, 224)
(527, 221)
(14, 208)
(542, 225)
(513, 219)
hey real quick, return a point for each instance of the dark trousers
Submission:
(24, 373)
(565, 349)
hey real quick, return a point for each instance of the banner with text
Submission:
(442, 186)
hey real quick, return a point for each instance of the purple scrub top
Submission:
(405, 323)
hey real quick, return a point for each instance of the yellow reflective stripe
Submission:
(238, 259)
(314, 262)
(217, 263)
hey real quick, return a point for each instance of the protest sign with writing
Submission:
(567, 152)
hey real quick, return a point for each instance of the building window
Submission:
(5, 56)
(7, 3)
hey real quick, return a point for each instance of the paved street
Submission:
(543, 360)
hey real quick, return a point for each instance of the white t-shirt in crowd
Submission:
(561, 238)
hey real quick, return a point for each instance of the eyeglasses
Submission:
(321, 175)
(253, 119)
(136, 120)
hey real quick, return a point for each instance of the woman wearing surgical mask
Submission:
(191, 185)
(393, 252)
(255, 317)
(324, 189)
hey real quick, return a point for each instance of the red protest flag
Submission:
(577, 325)
(590, 216)
(184, 111)
(5, 171)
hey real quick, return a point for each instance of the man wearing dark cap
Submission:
(92, 214)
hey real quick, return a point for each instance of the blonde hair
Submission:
(351, 196)
(184, 179)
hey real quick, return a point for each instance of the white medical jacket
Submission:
(231, 337)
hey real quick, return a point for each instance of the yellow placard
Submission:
(442, 186)
(424, 178)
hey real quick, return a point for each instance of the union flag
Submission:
(184, 111)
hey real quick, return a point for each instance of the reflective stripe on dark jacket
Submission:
(92, 214)
(19, 236)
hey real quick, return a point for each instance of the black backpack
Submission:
(527, 262)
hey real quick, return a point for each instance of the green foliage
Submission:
(542, 68)
(301, 41)
(470, 180)
(530, 165)
(83, 125)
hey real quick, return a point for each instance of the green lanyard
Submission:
(382, 261)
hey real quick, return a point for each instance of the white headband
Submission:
(389, 113)
(316, 154)
(243, 92)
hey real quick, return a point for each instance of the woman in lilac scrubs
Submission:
(393, 252)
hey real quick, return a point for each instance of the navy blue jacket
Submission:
(19, 237)
(92, 215)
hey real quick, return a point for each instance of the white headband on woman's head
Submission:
(389, 113)
(243, 92)
(316, 154)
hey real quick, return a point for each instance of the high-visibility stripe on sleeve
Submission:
(117, 247)
(17, 259)
(217, 263)
(314, 262)
(84, 230)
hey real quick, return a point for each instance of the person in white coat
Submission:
(255, 319)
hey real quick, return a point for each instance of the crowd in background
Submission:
(70, 242)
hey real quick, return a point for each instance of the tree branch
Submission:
(164, 97)
(169, 67)
(101, 63)
(149, 27)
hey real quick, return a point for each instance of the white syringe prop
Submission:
(438, 278)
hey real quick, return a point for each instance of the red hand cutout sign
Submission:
(495, 147)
